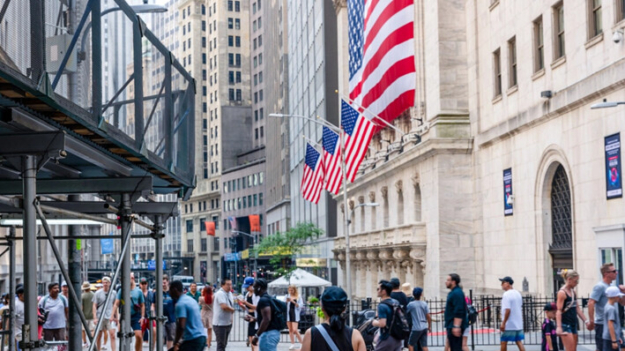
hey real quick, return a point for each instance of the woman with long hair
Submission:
(206, 304)
(294, 304)
(333, 304)
(568, 310)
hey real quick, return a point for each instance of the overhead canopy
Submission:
(301, 279)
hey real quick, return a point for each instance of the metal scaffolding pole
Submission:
(158, 235)
(73, 297)
(12, 287)
(29, 329)
(126, 331)
(74, 270)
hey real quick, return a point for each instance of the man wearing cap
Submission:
(149, 311)
(57, 308)
(511, 315)
(65, 290)
(419, 314)
(612, 336)
(87, 309)
(99, 299)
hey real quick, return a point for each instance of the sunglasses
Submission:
(614, 271)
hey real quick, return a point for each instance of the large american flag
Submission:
(332, 161)
(382, 73)
(358, 131)
(312, 181)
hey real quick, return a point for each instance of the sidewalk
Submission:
(240, 346)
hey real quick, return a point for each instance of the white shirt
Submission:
(56, 308)
(221, 317)
(19, 319)
(513, 301)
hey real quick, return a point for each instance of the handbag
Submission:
(327, 337)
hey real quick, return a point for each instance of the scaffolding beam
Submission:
(132, 185)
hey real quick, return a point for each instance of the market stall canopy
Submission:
(301, 279)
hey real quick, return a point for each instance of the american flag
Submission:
(233, 223)
(358, 131)
(332, 161)
(382, 73)
(312, 182)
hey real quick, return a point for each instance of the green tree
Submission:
(283, 246)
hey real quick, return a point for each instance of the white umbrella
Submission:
(301, 279)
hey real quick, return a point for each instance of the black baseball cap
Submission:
(507, 280)
(334, 296)
(550, 306)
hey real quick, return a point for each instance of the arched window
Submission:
(561, 227)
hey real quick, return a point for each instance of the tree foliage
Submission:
(283, 246)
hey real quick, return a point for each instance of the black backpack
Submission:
(472, 312)
(279, 312)
(399, 327)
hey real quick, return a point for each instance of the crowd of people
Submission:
(403, 318)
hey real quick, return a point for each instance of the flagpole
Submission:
(314, 144)
(371, 113)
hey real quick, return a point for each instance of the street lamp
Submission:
(347, 259)
(318, 120)
(145, 8)
(607, 104)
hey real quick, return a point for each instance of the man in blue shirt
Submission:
(456, 318)
(170, 314)
(137, 310)
(387, 342)
(190, 333)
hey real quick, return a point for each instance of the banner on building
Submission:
(507, 192)
(152, 265)
(232, 257)
(106, 246)
(614, 186)
(210, 228)
(254, 223)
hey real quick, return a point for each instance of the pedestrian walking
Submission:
(56, 307)
(334, 334)
(511, 315)
(386, 308)
(399, 295)
(87, 309)
(223, 311)
(19, 314)
(597, 302)
(193, 293)
(107, 327)
(206, 306)
(294, 304)
(65, 290)
(149, 311)
(550, 339)
(249, 302)
(169, 312)
(568, 310)
(612, 333)
(419, 313)
(456, 318)
(190, 334)
(269, 326)
(137, 310)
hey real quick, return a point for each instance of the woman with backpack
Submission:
(333, 335)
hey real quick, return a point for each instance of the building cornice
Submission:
(339, 4)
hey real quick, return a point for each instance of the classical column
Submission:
(399, 256)
(360, 274)
(417, 255)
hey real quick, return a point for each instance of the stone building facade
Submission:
(509, 85)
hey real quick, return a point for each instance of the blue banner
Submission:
(152, 265)
(614, 186)
(106, 246)
(232, 257)
(507, 192)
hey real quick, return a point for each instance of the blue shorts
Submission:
(568, 328)
(512, 336)
(134, 323)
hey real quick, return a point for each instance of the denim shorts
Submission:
(569, 328)
(269, 340)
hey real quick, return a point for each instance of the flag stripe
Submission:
(391, 17)
(380, 89)
(312, 179)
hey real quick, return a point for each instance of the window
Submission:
(260, 199)
(254, 44)
(230, 5)
(261, 113)
(260, 40)
(230, 41)
(254, 26)
(204, 75)
(203, 9)
(244, 202)
(260, 77)
(255, 97)
(512, 79)
(203, 26)
(230, 23)
(204, 124)
(260, 21)
(238, 59)
(262, 132)
(239, 97)
(620, 12)
(237, 6)
(237, 23)
(256, 115)
(260, 95)
(238, 41)
(216, 220)
(260, 59)
(594, 21)
(256, 133)
(203, 245)
(238, 74)
(256, 83)
(231, 94)
(497, 72)
(231, 77)
(255, 62)
(203, 59)
(189, 225)
(254, 8)
(558, 24)
(203, 224)
(230, 60)
(539, 45)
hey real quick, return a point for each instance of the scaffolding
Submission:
(52, 145)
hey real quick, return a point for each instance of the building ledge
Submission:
(559, 62)
(594, 41)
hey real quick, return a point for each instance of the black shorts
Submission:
(251, 329)
(418, 339)
(599, 337)
(455, 342)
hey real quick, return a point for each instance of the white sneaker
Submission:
(104, 348)
(292, 347)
